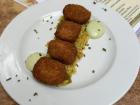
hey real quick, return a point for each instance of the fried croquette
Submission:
(68, 31)
(63, 51)
(76, 13)
(50, 71)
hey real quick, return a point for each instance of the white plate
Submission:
(115, 69)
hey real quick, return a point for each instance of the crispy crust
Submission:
(50, 71)
(68, 31)
(76, 13)
(63, 51)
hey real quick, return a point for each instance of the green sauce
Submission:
(95, 29)
(32, 60)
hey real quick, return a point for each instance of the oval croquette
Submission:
(76, 13)
(68, 31)
(50, 71)
(63, 51)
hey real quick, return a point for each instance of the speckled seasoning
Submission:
(40, 54)
(35, 30)
(93, 71)
(18, 80)
(16, 75)
(8, 79)
(51, 22)
(35, 94)
(89, 48)
(50, 29)
(99, 30)
(94, 2)
(105, 9)
(104, 49)
(84, 55)
(109, 39)
(27, 78)
(77, 65)
(30, 100)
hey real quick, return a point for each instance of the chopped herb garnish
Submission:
(35, 94)
(30, 100)
(8, 79)
(40, 54)
(93, 71)
(77, 65)
(89, 48)
(105, 9)
(99, 30)
(109, 39)
(51, 17)
(18, 80)
(27, 78)
(35, 31)
(94, 2)
(104, 49)
(84, 55)
(47, 21)
(98, 21)
(51, 22)
(50, 29)
(16, 75)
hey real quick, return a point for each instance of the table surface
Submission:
(8, 10)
